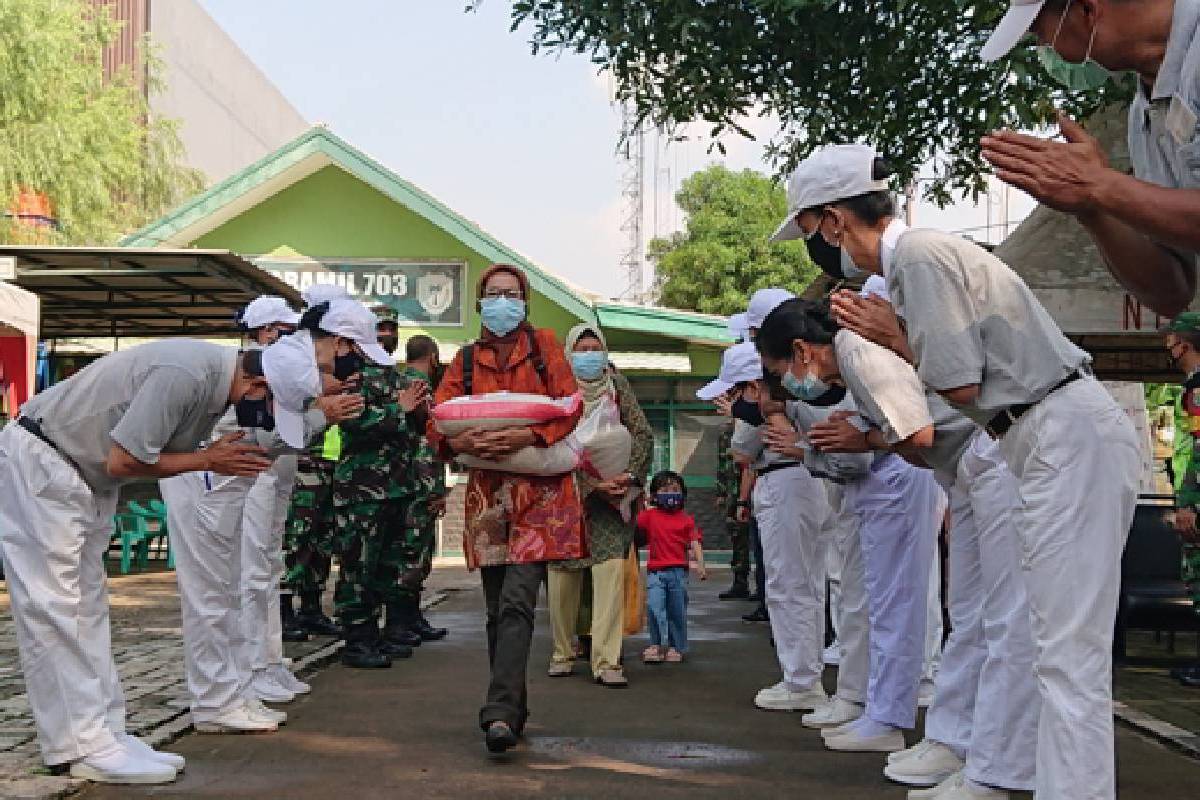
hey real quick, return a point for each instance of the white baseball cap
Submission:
(834, 172)
(1014, 25)
(352, 320)
(739, 363)
(267, 309)
(738, 327)
(290, 367)
(762, 303)
(323, 293)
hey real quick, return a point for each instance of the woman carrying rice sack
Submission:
(514, 523)
(609, 534)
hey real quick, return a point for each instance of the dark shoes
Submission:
(1188, 676)
(426, 631)
(363, 648)
(500, 737)
(292, 630)
(757, 615)
(739, 591)
(312, 619)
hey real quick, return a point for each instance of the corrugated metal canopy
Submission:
(652, 362)
(140, 292)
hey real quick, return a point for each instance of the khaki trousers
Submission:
(608, 609)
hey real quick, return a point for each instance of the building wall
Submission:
(230, 112)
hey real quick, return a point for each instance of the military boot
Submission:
(362, 648)
(739, 591)
(293, 631)
(422, 628)
(400, 618)
(312, 619)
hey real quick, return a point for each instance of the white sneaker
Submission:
(289, 682)
(236, 720)
(117, 764)
(780, 698)
(258, 709)
(560, 669)
(856, 742)
(833, 714)
(953, 782)
(842, 729)
(266, 688)
(928, 763)
(143, 750)
(832, 655)
(969, 790)
(925, 693)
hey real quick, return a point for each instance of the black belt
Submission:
(769, 468)
(1008, 417)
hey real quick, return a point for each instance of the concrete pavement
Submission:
(683, 730)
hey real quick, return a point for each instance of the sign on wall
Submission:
(422, 293)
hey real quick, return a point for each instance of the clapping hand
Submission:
(837, 435)
(229, 455)
(413, 396)
(872, 318)
(340, 407)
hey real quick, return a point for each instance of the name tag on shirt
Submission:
(1181, 121)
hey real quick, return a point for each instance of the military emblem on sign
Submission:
(435, 293)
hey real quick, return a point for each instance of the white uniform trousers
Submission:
(897, 506)
(54, 531)
(262, 562)
(833, 560)
(1077, 462)
(205, 516)
(987, 703)
(934, 630)
(854, 625)
(791, 507)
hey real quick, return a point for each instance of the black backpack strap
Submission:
(468, 366)
(535, 353)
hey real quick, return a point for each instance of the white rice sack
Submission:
(499, 410)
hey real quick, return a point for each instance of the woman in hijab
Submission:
(515, 524)
(609, 533)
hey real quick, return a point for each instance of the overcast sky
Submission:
(522, 145)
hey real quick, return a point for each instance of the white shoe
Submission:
(925, 693)
(969, 790)
(855, 742)
(560, 669)
(953, 782)
(835, 713)
(236, 720)
(143, 750)
(258, 709)
(832, 655)
(266, 688)
(780, 698)
(117, 764)
(928, 763)
(289, 682)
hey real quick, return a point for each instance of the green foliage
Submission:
(90, 145)
(902, 75)
(724, 254)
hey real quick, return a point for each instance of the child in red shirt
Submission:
(669, 532)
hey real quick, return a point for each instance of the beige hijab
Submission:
(592, 390)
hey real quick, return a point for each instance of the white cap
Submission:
(323, 293)
(352, 320)
(290, 366)
(267, 309)
(739, 363)
(1016, 23)
(762, 303)
(832, 173)
(738, 327)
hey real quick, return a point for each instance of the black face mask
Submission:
(254, 414)
(747, 412)
(830, 398)
(347, 365)
(826, 256)
(389, 343)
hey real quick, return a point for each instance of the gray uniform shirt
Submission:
(1164, 131)
(972, 320)
(889, 393)
(162, 397)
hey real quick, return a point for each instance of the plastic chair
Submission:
(158, 534)
(133, 532)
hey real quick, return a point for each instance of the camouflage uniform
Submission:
(378, 537)
(1186, 465)
(308, 538)
(729, 480)
(429, 475)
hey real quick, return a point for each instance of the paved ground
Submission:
(678, 731)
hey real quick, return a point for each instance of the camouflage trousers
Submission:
(739, 538)
(308, 537)
(379, 547)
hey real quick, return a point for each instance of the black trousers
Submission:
(510, 593)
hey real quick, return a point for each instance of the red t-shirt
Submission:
(668, 536)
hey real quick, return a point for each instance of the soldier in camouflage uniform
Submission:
(377, 540)
(1183, 344)
(308, 540)
(729, 481)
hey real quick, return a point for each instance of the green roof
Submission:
(320, 142)
(664, 322)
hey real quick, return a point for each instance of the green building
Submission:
(318, 210)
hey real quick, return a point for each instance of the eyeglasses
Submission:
(508, 294)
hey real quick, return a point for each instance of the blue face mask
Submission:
(1085, 76)
(669, 501)
(501, 315)
(805, 389)
(589, 365)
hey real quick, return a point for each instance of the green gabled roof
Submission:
(320, 142)
(664, 322)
